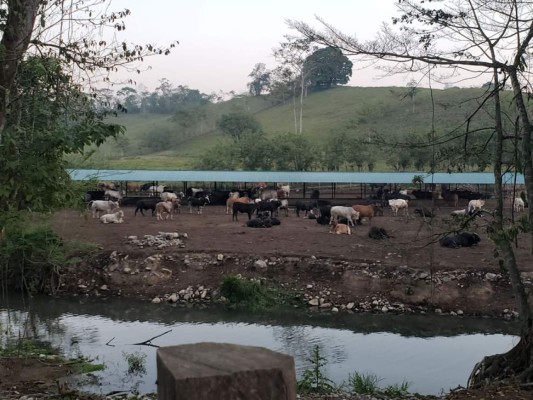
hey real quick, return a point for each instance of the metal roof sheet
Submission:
(289, 176)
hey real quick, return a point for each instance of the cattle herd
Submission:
(262, 205)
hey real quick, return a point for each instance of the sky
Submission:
(220, 41)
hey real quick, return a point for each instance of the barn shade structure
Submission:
(395, 178)
(305, 180)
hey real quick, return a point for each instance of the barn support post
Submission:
(303, 194)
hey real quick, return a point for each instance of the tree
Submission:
(236, 125)
(292, 55)
(45, 112)
(489, 37)
(260, 80)
(328, 67)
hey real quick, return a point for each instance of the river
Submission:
(432, 353)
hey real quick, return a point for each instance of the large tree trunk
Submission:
(15, 40)
(525, 128)
(518, 362)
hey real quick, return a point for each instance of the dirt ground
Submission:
(354, 267)
(305, 254)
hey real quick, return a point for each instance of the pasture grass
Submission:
(388, 112)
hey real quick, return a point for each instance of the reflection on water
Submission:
(433, 353)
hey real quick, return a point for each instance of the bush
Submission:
(246, 293)
(32, 254)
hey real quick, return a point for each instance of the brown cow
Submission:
(367, 211)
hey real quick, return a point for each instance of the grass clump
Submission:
(363, 384)
(136, 363)
(244, 293)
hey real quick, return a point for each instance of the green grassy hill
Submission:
(388, 112)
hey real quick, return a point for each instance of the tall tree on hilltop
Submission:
(292, 55)
(328, 67)
(260, 80)
(488, 37)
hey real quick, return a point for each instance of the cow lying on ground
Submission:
(102, 206)
(378, 233)
(114, 218)
(263, 220)
(463, 239)
(340, 229)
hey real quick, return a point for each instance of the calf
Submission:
(115, 218)
(146, 204)
(247, 208)
(163, 207)
(340, 229)
(463, 239)
(199, 203)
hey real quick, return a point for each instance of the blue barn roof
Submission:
(289, 176)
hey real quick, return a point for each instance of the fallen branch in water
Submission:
(149, 341)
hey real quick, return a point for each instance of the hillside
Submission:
(155, 141)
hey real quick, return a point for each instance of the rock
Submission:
(261, 264)
(173, 298)
(313, 302)
(335, 310)
(156, 300)
(350, 305)
(220, 257)
(385, 309)
(491, 277)
(309, 286)
(103, 287)
(126, 270)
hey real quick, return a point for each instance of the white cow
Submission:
(163, 207)
(102, 206)
(110, 194)
(519, 204)
(156, 190)
(168, 196)
(114, 218)
(398, 204)
(344, 212)
(475, 205)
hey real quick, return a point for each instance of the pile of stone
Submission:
(199, 294)
(161, 240)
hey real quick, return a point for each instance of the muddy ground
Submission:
(409, 270)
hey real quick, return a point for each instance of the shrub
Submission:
(314, 380)
(246, 293)
(363, 384)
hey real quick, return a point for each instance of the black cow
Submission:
(463, 239)
(247, 208)
(303, 206)
(147, 204)
(199, 203)
(378, 233)
(315, 194)
(271, 206)
(323, 215)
